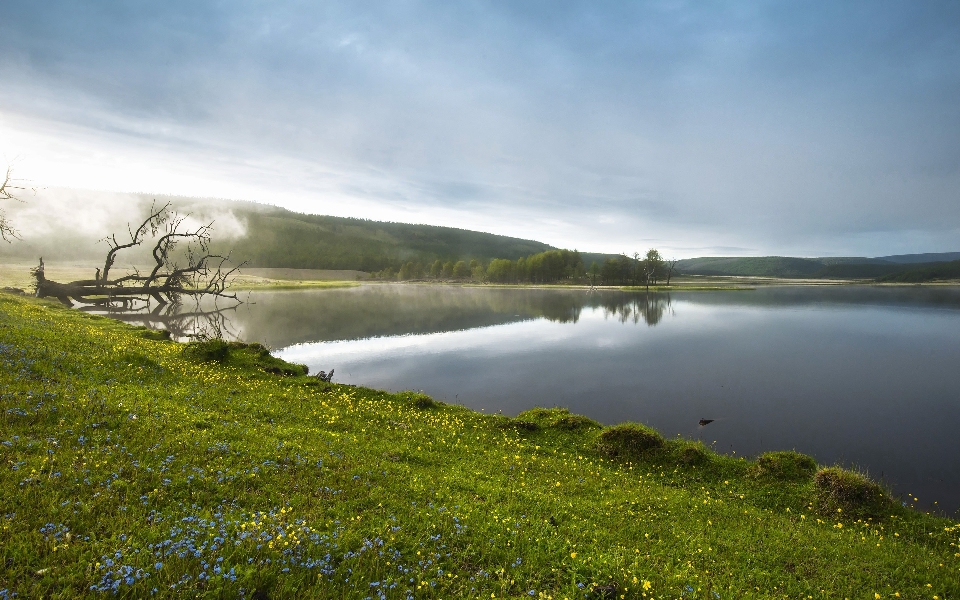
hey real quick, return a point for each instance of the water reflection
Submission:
(183, 323)
(280, 319)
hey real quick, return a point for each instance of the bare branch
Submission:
(8, 191)
(204, 274)
(152, 224)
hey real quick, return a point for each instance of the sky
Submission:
(806, 128)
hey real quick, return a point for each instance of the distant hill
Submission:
(65, 225)
(926, 272)
(929, 257)
(276, 237)
(758, 266)
(818, 268)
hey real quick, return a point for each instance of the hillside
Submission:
(281, 238)
(135, 466)
(925, 272)
(66, 225)
(813, 268)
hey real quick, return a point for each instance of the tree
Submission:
(436, 269)
(670, 267)
(594, 273)
(478, 273)
(461, 270)
(9, 191)
(447, 271)
(203, 274)
(652, 266)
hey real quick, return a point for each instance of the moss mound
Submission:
(518, 424)
(628, 440)
(557, 418)
(242, 355)
(419, 399)
(785, 466)
(850, 493)
(687, 452)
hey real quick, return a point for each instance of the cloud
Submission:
(777, 127)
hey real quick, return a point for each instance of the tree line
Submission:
(551, 266)
(637, 270)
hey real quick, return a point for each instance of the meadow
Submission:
(134, 466)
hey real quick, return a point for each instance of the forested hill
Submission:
(888, 267)
(277, 237)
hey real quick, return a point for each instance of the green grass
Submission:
(129, 463)
(272, 285)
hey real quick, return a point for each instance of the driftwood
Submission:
(203, 274)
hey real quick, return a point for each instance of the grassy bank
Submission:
(131, 465)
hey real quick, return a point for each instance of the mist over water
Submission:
(856, 375)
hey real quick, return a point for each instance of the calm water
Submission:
(853, 375)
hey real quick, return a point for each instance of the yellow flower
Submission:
(646, 584)
(573, 555)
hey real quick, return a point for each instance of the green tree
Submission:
(652, 266)
(436, 269)
(447, 271)
(461, 270)
(594, 272)
(478, 273)
(502, 270)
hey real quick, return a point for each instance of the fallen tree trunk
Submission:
(205, 274)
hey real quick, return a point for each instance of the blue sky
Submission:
(805, 128)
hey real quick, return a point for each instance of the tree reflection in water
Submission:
(180, 324)
(283, 318)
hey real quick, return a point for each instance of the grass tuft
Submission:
(419, 400)
(689, 453)
(785, 466)
(215, 350)
(558, 418)
(849, 493)
(628, 440)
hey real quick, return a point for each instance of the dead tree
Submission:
(8, 191)
(670, 267)
(203, 274)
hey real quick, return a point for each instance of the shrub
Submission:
(850, 493)
(628, 439)
(786, 466)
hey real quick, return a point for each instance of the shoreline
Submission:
(152, 440)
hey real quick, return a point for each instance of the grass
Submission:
(133, 466)
(269, 285)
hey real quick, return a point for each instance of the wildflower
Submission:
(573, 555)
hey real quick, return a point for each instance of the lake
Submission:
(857, 375)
